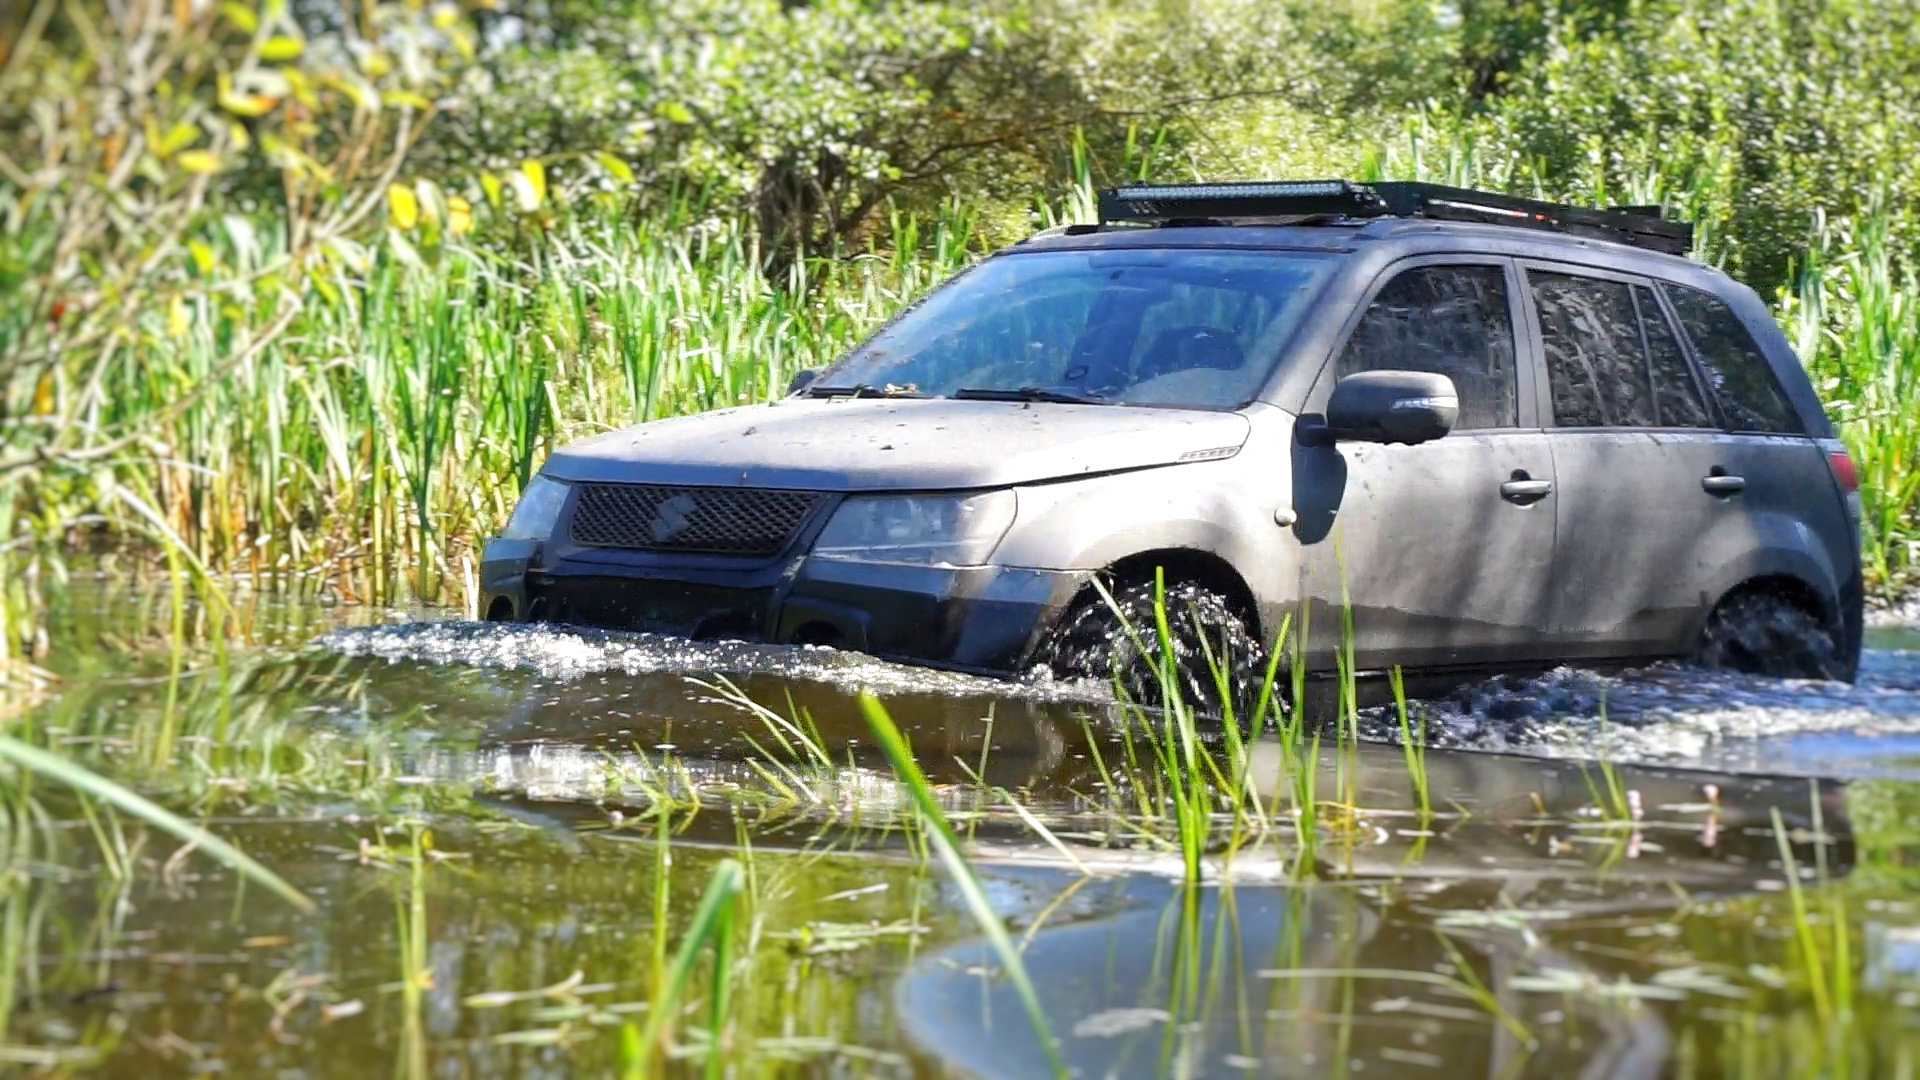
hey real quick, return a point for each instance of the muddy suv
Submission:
(1498, 433)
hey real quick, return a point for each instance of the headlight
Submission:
(925, 530)
(539, 508)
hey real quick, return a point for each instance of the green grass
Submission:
(940, 836)
(390, 423)
(366, 430)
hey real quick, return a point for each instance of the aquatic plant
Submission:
(712, 928)
(1413, 744)
(940, 837)
(63, 771)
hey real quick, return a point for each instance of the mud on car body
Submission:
(1500, 433)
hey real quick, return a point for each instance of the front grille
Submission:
(717, 521)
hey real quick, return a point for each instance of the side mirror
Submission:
(802, 379)
(1392, 407)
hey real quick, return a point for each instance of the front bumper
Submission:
(980, 618)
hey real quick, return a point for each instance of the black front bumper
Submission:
(984, 618)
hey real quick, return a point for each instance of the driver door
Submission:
(1442, 552)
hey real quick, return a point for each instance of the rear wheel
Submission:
(1763, 632)
(1092, 642)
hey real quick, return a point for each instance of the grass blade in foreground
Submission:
(60, 770)
(712, 921)
(948, 846)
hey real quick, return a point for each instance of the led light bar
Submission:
(1305, 200)
(1158, 203)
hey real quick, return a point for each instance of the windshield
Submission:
(1142, 327)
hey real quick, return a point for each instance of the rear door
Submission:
(1443, 550)
(1795, 519)
(1659, 504)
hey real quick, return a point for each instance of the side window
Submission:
(1734, 365)
(1452, 320)
(1674, 391)
(1596, 362)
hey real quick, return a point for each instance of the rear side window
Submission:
(1733, 364)
(1452, 320)
(1596, 361)
(1675, 394)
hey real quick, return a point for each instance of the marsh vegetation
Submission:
(294, 297)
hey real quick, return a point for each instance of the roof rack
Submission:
(1303, 200)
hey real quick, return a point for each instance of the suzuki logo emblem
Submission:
(672, 517)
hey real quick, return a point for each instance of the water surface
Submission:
(507, 831)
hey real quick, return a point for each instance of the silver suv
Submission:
(1495, 433)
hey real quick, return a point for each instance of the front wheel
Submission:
(1763, 633)
(1093, 642)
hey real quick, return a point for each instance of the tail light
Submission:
(1846, 478)
(1840, 463)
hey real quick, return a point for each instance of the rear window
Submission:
(1733, 364)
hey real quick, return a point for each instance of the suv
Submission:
(1448, 430)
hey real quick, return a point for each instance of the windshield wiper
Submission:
(865, 390)
(1030, 393)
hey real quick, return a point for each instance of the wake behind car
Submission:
(1499, 433)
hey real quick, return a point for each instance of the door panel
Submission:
(1659, 509)
(1440, 568)
(1439, 565)
(1639, 537)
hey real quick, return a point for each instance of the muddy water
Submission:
(507, 832)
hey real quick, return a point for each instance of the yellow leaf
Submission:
(302, 89)
(536, 174)
(241, 16)
(237, 131)
(675, 112)
(179, 321)
(243, 104)
(615, 167)
(406, 97)
(433, 202)
(375, 64)
(199, 161)
(181, 135)
(404, 208)
(459, 215)
(202, 256)
(525, 198)
(445, 15)
(359, 92)
(281, 47)
(490, 186)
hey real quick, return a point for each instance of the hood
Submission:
(870, 444)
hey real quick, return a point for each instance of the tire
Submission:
(1765, 633)
(1091, 643)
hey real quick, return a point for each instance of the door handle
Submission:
(1721, 486)
(1522, 490)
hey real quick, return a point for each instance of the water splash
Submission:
(1683, 715)
(567, 652)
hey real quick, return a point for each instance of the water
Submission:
(478, 812)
